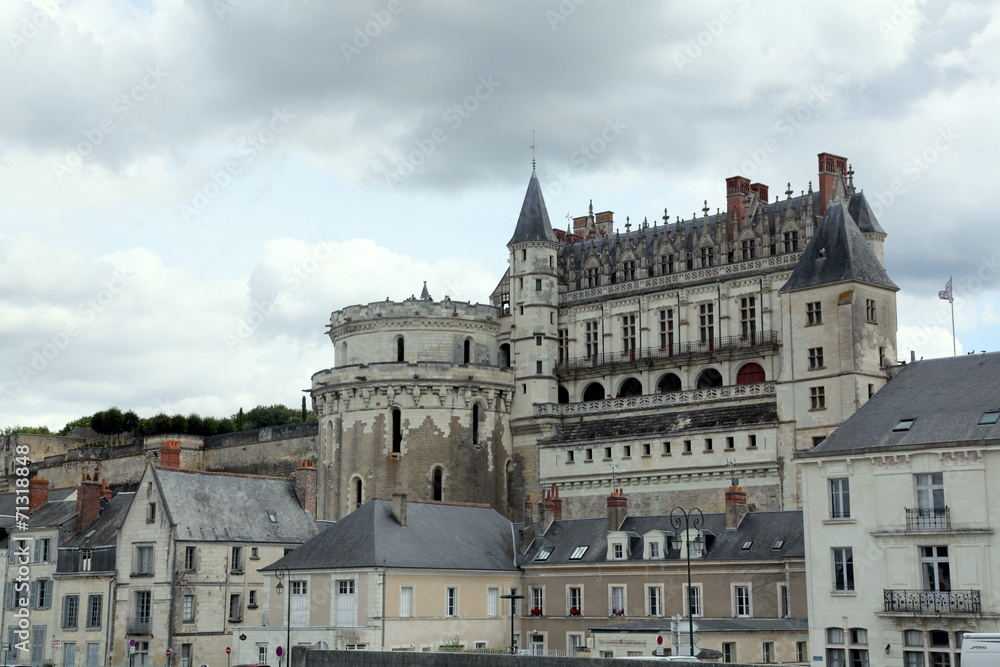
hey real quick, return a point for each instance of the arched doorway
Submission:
(563, 394)
(630, 387)
(594, 392)
(709, 378)
(750, 374)
(669, 382)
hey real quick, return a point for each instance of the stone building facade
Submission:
(661, 359)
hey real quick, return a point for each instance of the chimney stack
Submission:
(38, 493)
(170, 454)
(737, 188)
(761, 191)
(305, 486)
(399, 508)
(617, 509)
(736, 505)
(553, 503)
(830, 167)
(88, 503)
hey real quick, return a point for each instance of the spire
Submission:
(424, 294)
(533, 222)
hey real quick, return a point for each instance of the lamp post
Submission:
(513, 597)
(692, 519)
(280, 573)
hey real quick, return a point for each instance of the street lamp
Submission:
(695, 521)
(513, 597)
(280, 572)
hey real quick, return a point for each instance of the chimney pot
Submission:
(170, 454)
(617, 509)
(736, 505)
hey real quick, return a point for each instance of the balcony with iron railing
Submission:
(682, 353)
(928, 518)
(932, 603)
(740, 392)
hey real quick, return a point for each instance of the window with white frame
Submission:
(236, 562)
(574, 600)
(767, 652)
(935, 568)
(493, 602)
(187, 609)
(784, 603)
(406, 601)
(840, 498)
(693, 597)
(143, 560)
(843, 569)
(451, 601)
(95, 610)
(617, 598)
(537, 600)
(654, 600)
(70, 611)
(741, 600)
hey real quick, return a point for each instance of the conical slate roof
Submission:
(837, 253)
(862, 213)
(533, 222)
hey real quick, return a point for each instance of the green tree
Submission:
(35, 430)
(130, 421)
(178, 424)
(196, 425)
(83, 422)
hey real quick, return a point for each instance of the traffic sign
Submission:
(228, 650)
(659, 639)
(131, 642)
(279, 651)
(168, 652)
(683, 626)
(684, 639)
(56, 643)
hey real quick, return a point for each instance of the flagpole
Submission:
(954, 347)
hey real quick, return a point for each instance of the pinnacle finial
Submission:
(532, 147)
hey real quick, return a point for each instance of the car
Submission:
(661, 658)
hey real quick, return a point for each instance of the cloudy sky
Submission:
(189, 187)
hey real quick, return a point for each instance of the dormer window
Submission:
(618, 551)
(544, 553)
(654, 549)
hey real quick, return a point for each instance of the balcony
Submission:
(932, 603)
(928, 518)
(138, 626)
(678, 352)
(647, 401)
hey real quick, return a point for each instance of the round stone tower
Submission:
(416, 403)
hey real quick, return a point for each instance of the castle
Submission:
(662, 359)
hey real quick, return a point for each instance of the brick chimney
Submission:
(736, 505)
(106, 493)
(38, 493)
(617, 509)
(553, 503)
(737, 188)
(170, 454)
(399, 508)
(830, 166)
(305, 486)
(88, 503)
(761, 190)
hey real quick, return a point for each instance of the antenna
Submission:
(532, 147)
(614, 483)
(731, 464)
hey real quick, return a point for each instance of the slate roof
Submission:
(836, 253)
(219, 507)
(437, 536)
(8, 506)
(945, 397)
(762, 529)
(104, 531)
(533, 221)
(663, 423)
(862, 213)
(713, 625)
(55, 512)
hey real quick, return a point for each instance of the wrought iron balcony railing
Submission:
(932, 602)
(722, 344)
(928, 518)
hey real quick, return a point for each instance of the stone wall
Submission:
(303, 657)
(272, 450)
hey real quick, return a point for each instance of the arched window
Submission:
(631, 387)
(750, 374)
(709, 378)
(359, 496)
(400, 349)
(563, 394)
(467, 351)
(438, 484)
(668, 382)
(475, 424)
(397, 430)
(594, 392)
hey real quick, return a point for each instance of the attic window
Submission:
(747, 545)
(544, 554)
(273, 517)
(778, 544)
(578, 553)
(990, 417)
(903, 425)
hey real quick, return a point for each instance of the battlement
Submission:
(412, 308)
